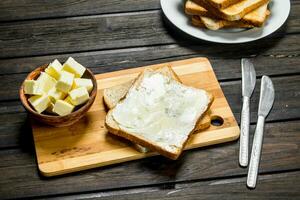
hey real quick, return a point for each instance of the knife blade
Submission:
(248, 85)
(267, 96)
(266, 101)
(248, 77)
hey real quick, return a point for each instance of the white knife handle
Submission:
(244, 138)
(256, 152)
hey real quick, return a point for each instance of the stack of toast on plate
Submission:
(156, 111)
(218, 14)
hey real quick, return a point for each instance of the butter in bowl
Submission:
(59, 95)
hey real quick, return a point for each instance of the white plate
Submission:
(174, 11)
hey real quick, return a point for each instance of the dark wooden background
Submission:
(109, 35)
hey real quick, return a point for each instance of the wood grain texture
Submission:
(275, 53)
(98, 33)
(87, 143)
(274, 186)
(280, 153)
(33, 9)
(270, 55)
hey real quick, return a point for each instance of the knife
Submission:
(248, 85)
(266, 101)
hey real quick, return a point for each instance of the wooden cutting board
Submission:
(87, 144)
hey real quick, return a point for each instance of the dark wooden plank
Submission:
(13, 119)
(20, 178)
(275, 52)
(276, 56)
(33, 9)
(42, 37)
(274, 186)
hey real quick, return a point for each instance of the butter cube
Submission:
(32, 87)
(65, 81)
(83, 82)
(79, 96)
(46, 82)
(74, 67)
(62, 108)
(54, 94)
(53, 69)
(39, 103)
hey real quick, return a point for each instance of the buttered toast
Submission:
(159, 113)
(113, 95)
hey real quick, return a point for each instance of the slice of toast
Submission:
(256, 17)
(221, 4)
(113, 95)
(159, 113)
(234, 12)
(216, 24)
(192, 8)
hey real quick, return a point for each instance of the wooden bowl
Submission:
(53, 120)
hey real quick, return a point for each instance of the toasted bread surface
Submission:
(192, 8)
(256, 17)
(216, 24)
(221, 4)
(234, 12)
(114, 128)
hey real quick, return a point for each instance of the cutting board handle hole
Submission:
(216, 120)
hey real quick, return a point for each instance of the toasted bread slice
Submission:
(221, 4)
(192, 8)
(234, 12)
(113, 95)
(216, 24)
(159, 113)
(256, 17)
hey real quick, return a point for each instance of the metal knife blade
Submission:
(267, 95)
(266, 101)
(248, 77)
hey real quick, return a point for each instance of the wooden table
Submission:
(109, 35)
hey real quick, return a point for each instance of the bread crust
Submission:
(113, 127)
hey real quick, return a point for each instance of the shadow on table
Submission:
(210, 49)
(26, 138)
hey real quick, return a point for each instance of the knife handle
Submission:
(244, 138)
(256, 152)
